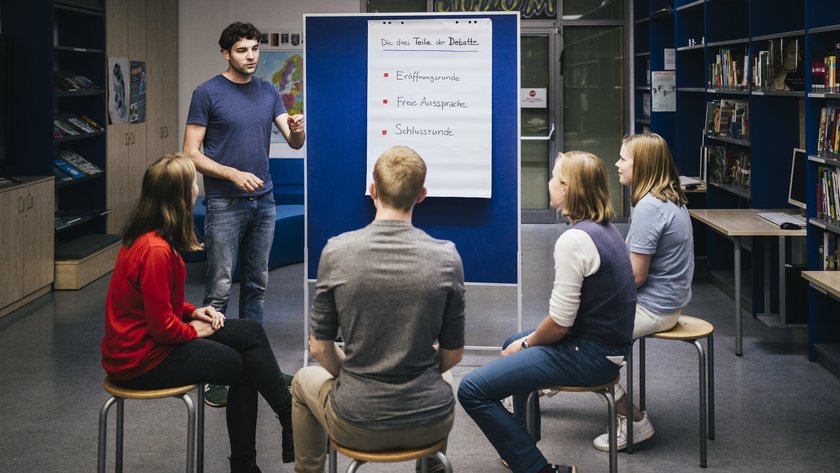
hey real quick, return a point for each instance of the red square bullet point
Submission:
(384, 100)
(384, 132)
(385, 75)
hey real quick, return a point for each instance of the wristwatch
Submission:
(525, 343)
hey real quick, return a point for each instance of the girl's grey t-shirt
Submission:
(394, 291)
(663, 230)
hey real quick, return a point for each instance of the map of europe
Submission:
(284, 69)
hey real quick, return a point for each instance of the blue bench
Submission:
(287, 247)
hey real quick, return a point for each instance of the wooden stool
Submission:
(195, 457)
(691, 330)
(360, 457)
(606, 390)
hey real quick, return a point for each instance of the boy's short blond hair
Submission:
(399, 175)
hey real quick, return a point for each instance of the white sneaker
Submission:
(642, 430)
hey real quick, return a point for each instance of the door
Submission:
(539, 60)
(576, 75)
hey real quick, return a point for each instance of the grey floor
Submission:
(775, 411)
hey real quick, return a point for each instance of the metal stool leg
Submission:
(447, 467)
(702, 368)
(331, 458)
(354, 465)
(629, 395)
(199, 454)
(610, 397)
(103, 432)
(120, 423)
(190, 432)
(424, 465)
(710, 371)
(642, 374)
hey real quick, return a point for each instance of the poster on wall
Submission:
(118, 72)
(429, 87)
(137, 103)
(664, 89)
(283, 69)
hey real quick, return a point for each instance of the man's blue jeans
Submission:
(238, 228)
(568, 362)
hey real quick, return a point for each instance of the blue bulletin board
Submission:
(485, 230)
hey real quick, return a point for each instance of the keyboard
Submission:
(778, 218)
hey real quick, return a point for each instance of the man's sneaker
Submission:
(642, 430)
(215, 395)
(564, 468)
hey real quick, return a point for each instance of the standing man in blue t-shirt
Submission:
(227, 136)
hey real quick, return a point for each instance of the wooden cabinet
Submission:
(142, 31)
(27, 237)
(126, 37)
(162, 83)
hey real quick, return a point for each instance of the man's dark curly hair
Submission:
(237, 31)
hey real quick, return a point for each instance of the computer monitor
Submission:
(798, 168)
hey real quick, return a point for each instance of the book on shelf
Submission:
(829, 252)
(712, 116)
(62, 222)
(79, 162)
(716, 163)
(824, 75)
(68, 168)
(83, 212)
(61, 175)
(729, 71)
(828, 133)
(646, 106)
(828, 192)
(728, 118)
(92, 123)
(72, 82)
(66, 128)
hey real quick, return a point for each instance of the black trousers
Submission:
(239, 356)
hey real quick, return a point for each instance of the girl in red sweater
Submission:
(154, 339)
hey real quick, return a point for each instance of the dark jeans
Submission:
(567, 362)
(238, 356)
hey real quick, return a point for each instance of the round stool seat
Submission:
(582, 389)
(389, 456)
(126, 393)
(687, 328)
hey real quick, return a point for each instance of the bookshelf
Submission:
(65, 42)
(822, 35)
(773, 50)
(653, 32)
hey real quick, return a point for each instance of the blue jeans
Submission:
(567, 362)
(238, 228)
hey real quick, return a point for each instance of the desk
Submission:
(735, 224)
(823, 349)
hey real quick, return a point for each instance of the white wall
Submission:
(200, 22)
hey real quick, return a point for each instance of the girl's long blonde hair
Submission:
(654, 170)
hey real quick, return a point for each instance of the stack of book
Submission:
(824, 70)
